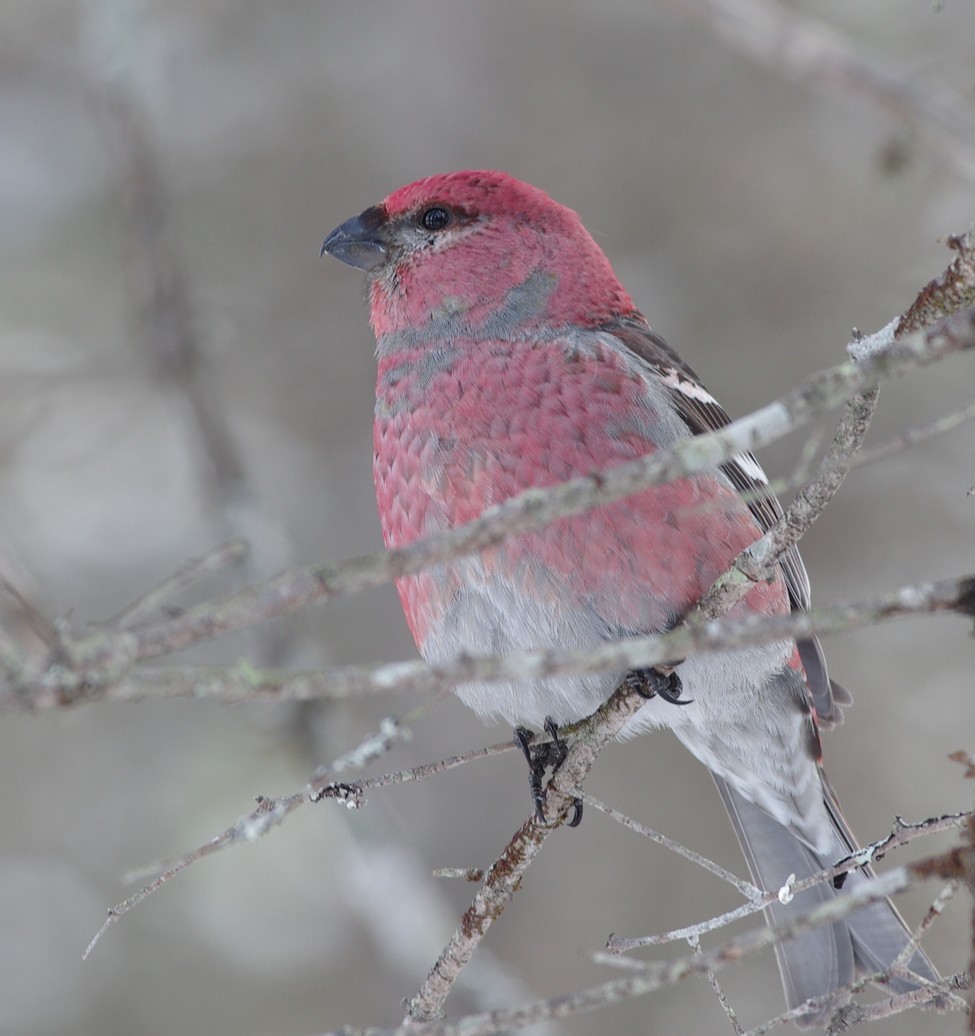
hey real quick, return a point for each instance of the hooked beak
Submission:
(359, 241)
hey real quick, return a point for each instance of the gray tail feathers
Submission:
(825, 959)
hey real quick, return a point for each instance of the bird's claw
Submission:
(540, 758)
(658, 681)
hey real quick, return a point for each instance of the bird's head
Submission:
(481, 251)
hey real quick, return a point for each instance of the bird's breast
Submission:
(475, 425)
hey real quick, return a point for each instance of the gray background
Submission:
(754, 220)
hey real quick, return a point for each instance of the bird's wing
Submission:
(701, 412)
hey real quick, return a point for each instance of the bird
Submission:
(510, 357)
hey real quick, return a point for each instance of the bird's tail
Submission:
(825, 959)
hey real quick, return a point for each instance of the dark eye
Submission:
(435, 218)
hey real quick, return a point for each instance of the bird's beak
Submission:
(360, 241)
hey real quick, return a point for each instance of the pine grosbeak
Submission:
(510, 357)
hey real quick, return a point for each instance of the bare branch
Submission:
(648, 978)
(729, 1011)
(902, 834)
(171, 338)
(915, 436)
(156, 597)
(811, 51)
(504, 877)
(99, 657)
(757, 560)
(853, 1014)
(269, 813)
(243, 682)
(272, 811)
(951, 291)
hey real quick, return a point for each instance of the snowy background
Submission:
(755, 220)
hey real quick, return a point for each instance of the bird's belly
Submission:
(485, 613)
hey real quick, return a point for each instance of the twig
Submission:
(934, 911)
(143, 607)
(850, 1015)
(729, 1011)
(272, 811)
(915, 436)
(269, 813)
(946, 293)
(746, 888)
(902, 834)
(472, 874)
(947, 988)
(755, 562)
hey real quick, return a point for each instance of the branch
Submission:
(812, 52)
(756, 561)
(269, 813)
(102, 658)
(901, 834)
(504, 877)
(751, 892)
(245, 683)
(170, 335)
(648, 978)
(85, 667)
(272, 811)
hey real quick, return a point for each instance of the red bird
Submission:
(511, 357)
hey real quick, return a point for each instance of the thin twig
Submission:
(144, 606)
(755, 562)
(715, 985)
(915, 436)
(269, 813)
(902, 834)
(751, 892)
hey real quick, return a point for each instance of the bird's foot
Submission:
(540, 758)
(658, 681)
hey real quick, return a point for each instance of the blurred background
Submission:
(178, 365)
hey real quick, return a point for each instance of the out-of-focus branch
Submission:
(170, 335)
(169, 327)
(911, 437)
(105, 657)
(812, 52)
(245, 683)
(156, 598)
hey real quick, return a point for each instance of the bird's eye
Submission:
(435, 218)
